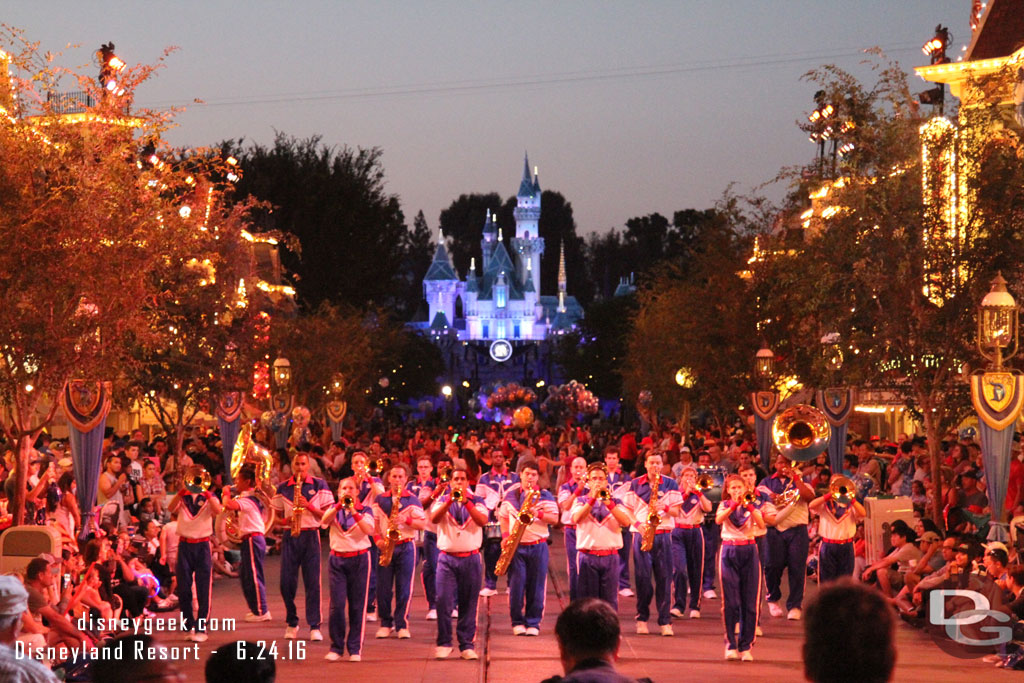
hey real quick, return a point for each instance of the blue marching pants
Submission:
(598, 576)
(627, 545)
(712, 541)
(492, 551)
(254, 588)
(741, 585)
(787, 550)
(688, 563)
(194, 560)
(397, 575)
(570, 561)
(835, 560)
(301, 553)
(527, 583)
(655, 566)
(371, 601)
(429, 572)
(458, 585)
(349, 583)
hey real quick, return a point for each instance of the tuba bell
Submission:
(705, 482)
(801, 433)
(842, 489)
(196, 479)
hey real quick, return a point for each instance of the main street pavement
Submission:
(696, 651)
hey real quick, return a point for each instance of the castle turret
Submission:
(440, 288)
(528, 245)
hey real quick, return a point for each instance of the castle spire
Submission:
(526, 184)
(561, 277)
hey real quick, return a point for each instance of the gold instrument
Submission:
(705, 482)
(749, 498)
(653, 518)
(444, 474)
(196, 479)
(523, 520)
(375, 467)
(392, 535)
(297, 508)
(248, 452)
(801, 433)
(787, 497)
(604, 495)
(347, 502)
(458, 496)
(842, 489)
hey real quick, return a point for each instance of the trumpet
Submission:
(375, 467)
(842, 489)
(705, 482)
(604, 495)
(458, 496)
(347, 502)
(749, 498)
(196, 479)
(444, 474)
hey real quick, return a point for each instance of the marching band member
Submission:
(739, 568)
(599, 524)
(528, 573)
(370, 486)
(618, 483)
(460, 517)
(409, 519)
(254, 545)
(654, 565)
(348, 570)
(688, 544)
(492, 487)
(567, 495)
(302, 552)
(787, 540)
(712, 535)
(763, 502)
(196, 512)
(422, 486)
(837, 525)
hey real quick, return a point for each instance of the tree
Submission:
(596, 349)
(462, 224)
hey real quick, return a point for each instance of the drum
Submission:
(492, 531)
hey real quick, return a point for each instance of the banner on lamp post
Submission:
(282, 408)
(336, 418)
(229, 421)
(998, 398)
(765, 405)
(86, 405)
(837, 405)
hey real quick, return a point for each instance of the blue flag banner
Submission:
(282, 408)
(86, 405)
(837, 404)
(229, 421)
(336, 418)
(997, 398)
(765, 404)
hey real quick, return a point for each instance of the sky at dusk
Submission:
(627, 107)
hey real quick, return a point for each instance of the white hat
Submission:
(13, 596)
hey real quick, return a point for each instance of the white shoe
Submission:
(384, 631)
(432, 615)
(371, 616)
(519, 630)
(291, 632)
(199, 637)
(442, 652)
(677, 613)
(626, 592)
(486, 593)
(403, 633)
(666, 630)
(332, 657)
(794, 614)
(732, 655)
(641, 628)
(775, 609)
(316, 635)
(695, 614)
(533, 631)
(469, 654)
(710, 594)
(747, 656)
(257, 617)
(758, 632)
(355, 658)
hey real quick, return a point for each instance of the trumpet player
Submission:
(838, 515)
(254, 545)
(600, 518)
(196, 511)
(653, 568)
(460, 517)
(528, 573)
(787, 540)
(763, 502)
(307, 497)
(408, 518)
(423, 487)
(568, 492)
(618, 483)
(369, 487)
(688, 544)
(348, 570)
(739, 568)
(492, 487)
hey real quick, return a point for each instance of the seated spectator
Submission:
(1016, 583)
(891, 569)
(153, 487)
(588, 642)
(240, 662)
(13, 604)
(995, 562)
(859, 618)
(42, 612)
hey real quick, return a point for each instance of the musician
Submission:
(837, 525)
(370, 486)
(787, 540)
(618, 483)
(739, 568)
(688, 544)
(459, 535)
(408, 519)
(528, 573)
(302, 552)
(712, 531)
(195, 511)
(763, 502)
(599, 537)
(348, 568)
(492, 487)
(423, 486)
(568, 492)
(254, 546)
(654, 565)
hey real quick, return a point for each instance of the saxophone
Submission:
(653, 518)
(392, 535)
(509, 546)
(297, 508)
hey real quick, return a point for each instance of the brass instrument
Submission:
(248, 452)
(347, 502)
(392, 535)
(801, 433)
(458, 496)
(705, 482)
(842, 489)
(653, 518)
(749, 498)
(604, 495)
(196, 479)
(298, 507)
(444, 474)
(787, 497)
(375, 467)
(523, 520)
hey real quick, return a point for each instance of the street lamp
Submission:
(764, 363)
(338, 384)
(282, 374)
(998, 324)
(684, 378)
(446, 391)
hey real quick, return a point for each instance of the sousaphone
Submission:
(247, 451)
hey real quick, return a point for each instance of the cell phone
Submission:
(455, 437)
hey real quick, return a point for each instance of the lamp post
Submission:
(282, 375)
(281, 398)
(684, 378)
(835, 401)
(764, 364)
(998, 325)
(446, 391)
(765, 402)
